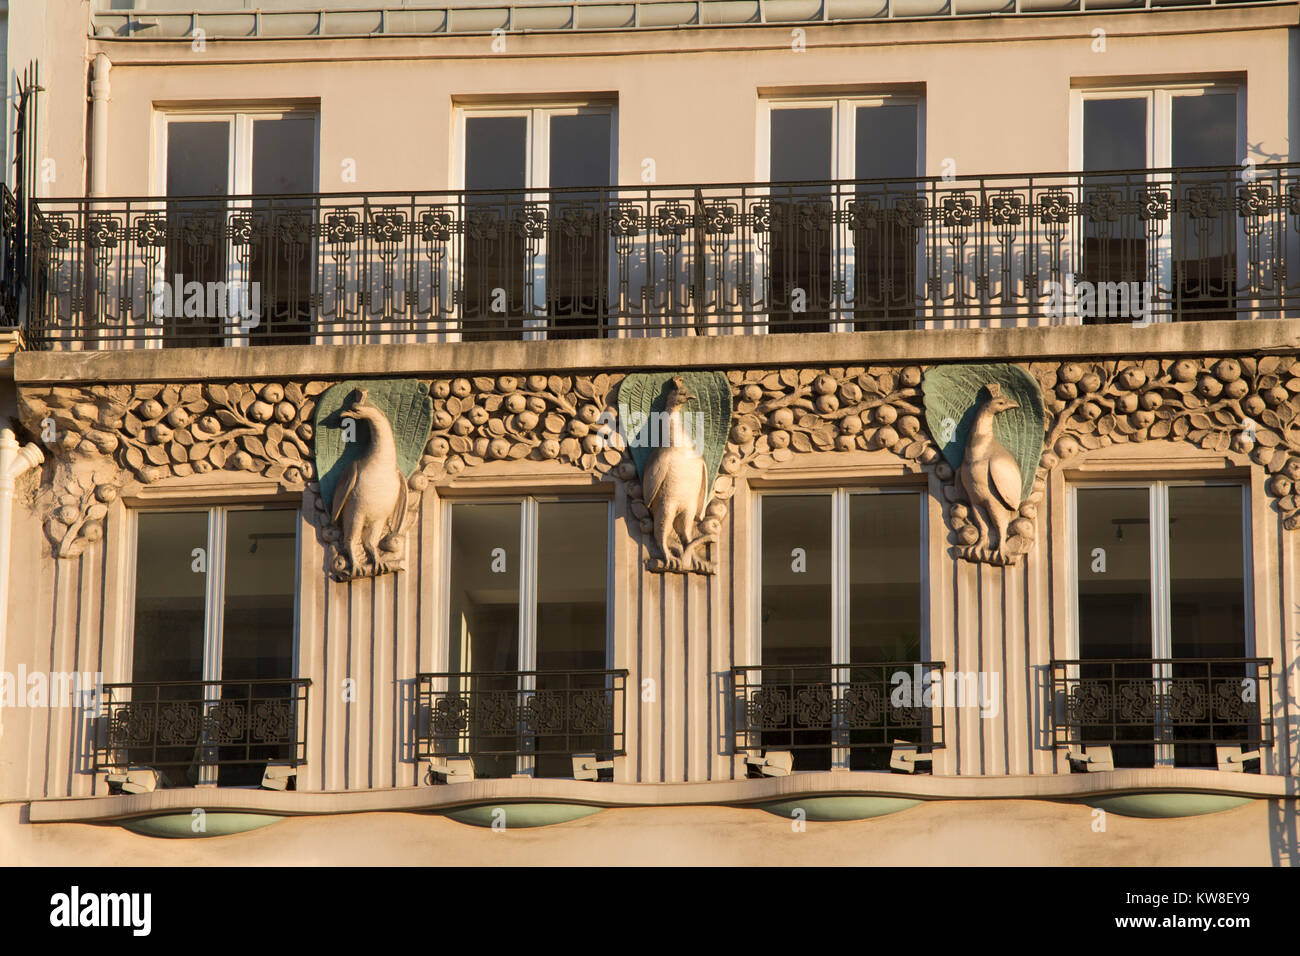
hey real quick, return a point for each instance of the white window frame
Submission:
(239, 167)
(844, 117)
(1159, 98)
(528, 563)
(1162, 642)
(214, 590)
(841, 576)
(537, 178)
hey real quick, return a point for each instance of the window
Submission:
(1193, 251)
(812, 144)
(547, 281)
(841, 590)
(213, 649)
(218, 234)
(529, 635)
(1164, 618)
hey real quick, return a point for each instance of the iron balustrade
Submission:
(190, 725)
(1183, 702)
(11, 264)
(1051, 248)
(843, 706)
(520, 713)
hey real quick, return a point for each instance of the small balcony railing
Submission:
(838, 706)
(1051, 248)
(1191, 704)
(203, 731)
(11, 262)
(500, 715)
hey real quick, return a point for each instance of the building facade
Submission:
(732, 432)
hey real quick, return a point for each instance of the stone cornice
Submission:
(927, 346)
(713, 793)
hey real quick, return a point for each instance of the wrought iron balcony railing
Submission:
(1167, 701)
(838, 706)
(11, 263)
(503, 714)
(186, 729)
(1056, 248)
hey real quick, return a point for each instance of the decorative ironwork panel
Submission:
(519, 713)
(1224, 700)
(848, 706)
(1052, 248)
(203, 723)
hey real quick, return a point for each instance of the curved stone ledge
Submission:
(181, 825)
(835, 809)
(477, 793)
(519, 816)
(1166, 805)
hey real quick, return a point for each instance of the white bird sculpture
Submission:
(675, 485)
(989, 474)
(370, 496)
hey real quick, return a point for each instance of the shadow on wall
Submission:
(1282, 822)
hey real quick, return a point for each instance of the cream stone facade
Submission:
(450, 280)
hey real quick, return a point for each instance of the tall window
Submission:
(528, 630)
(861, 233)
(841, 590)
(518, 273)
(1164, 614)
(214, 624)
(261, 246)
(1191, 250)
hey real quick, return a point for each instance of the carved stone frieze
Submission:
(1245, 404)
(561, 418)
(101, 436)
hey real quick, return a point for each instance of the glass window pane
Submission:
(496, 158)
(802, 238)
(1207, 598)
(885, 578)
(284, 155)
(168, 637)
(1114, 580)
(284, 161)
(885, 254)
(1207, 571)
(801, 144)
(496, 152)
(483, 625)
(1114, 565)
(257, 635)
(198, 158)
(1205, 250)
(257, 624)
(885, 146)
(1115, 137)
(1114, 134)
(1205, 130)
(580, 150)
(795, 615)
(578, 251)
(885, 549)
(484, 611)
(796, 581)
(169, 596)
(198, 164)
(572, 563)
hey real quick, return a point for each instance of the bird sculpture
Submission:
(990, 476)
(675, 484)
(370, 497)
